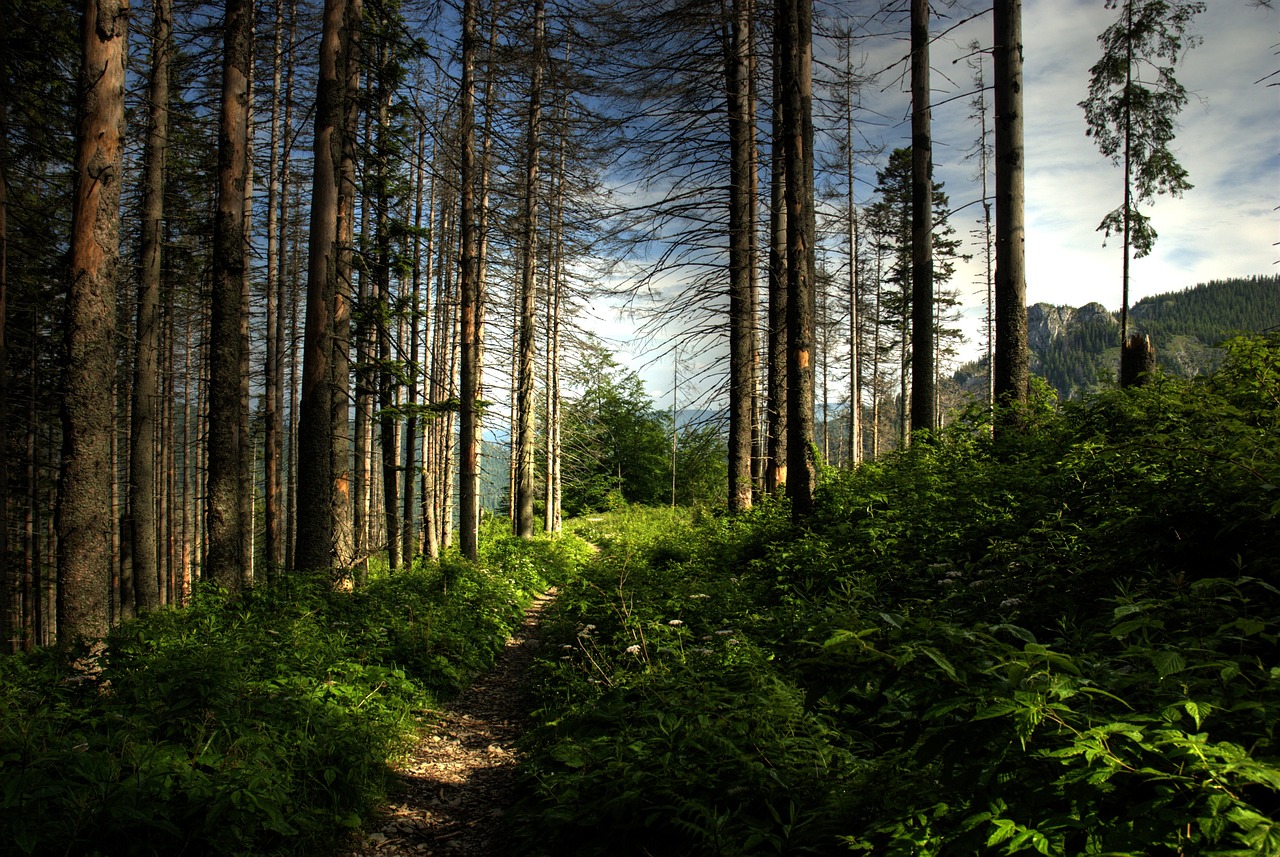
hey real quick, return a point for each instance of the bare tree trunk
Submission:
(742, 340)
(1012, 362)
(555, 289)
(340, 367)
(775, 476)
(407, 535)
(387, 377)
(273, 542)
(528, 291)
(10, 573)
(855, 334)
(796, 30)
(84, 486)
(286, 301)
(224, 505)
(316, 542)
(923, 414)
(365, 381)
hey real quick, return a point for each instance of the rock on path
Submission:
(457, 781)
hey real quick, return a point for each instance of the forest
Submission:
(306, 400)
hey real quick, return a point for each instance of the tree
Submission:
(10, 582)
(84, 484)
(1011, 360)
(469, 287)
(525, 437)
(1131, 116)
(616, 444)
(742, 323)
(224, 551)
(316, 531)
(794, 28)
(923, 415)
(142, 500)
(891, 223)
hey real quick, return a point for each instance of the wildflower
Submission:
(675, 622)
(723, 633)
(1011, 602)
(633, 650)
(700, 595)
(590, 628)
(567, 647)
(703, 651)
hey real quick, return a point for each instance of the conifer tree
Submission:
(1133, 105)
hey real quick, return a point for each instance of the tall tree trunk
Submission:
(387, 375)
(10, 573)
(1011, 349)
(142, 501)
(408, 539)
(340, 366)
(796, 29)
(84, 485)
(316, 537)
(365, 381)
(529, 289)
(923, 414)
(775, 475)
(224, 552)
(469, 293)
(248, 487)
(273, 425)
(855, 334)
(742, 323)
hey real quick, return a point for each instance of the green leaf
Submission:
(1168, 662)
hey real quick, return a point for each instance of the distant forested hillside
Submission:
(1077, 349)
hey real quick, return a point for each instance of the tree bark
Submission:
(796, 30)
(224, 509)
(1011, 361)
(10, 573)
(742, 340)
(387, 376)
(469, 293)
(316, 537)
(142, 500)
(272, 400)
(529, 291)
(923, 412)
(84, 486)
(1137, 361)
(775, 475)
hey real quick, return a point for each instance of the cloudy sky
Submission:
(1228, 138)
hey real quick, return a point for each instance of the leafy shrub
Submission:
(251, 725)
(1062, 643)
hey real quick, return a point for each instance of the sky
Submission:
(1228, 139)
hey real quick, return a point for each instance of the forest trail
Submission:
(458, 779)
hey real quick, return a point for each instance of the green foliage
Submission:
(1062, 644)
(615, 442)
(1133, 106)
(255, 725)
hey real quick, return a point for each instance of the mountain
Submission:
(1077, 349)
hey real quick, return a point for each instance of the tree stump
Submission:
(1137, 361)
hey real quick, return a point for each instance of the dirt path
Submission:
(459, 777)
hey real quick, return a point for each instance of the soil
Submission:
(459, 778)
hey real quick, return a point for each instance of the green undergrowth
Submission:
(255, 725)
(1061, 644)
